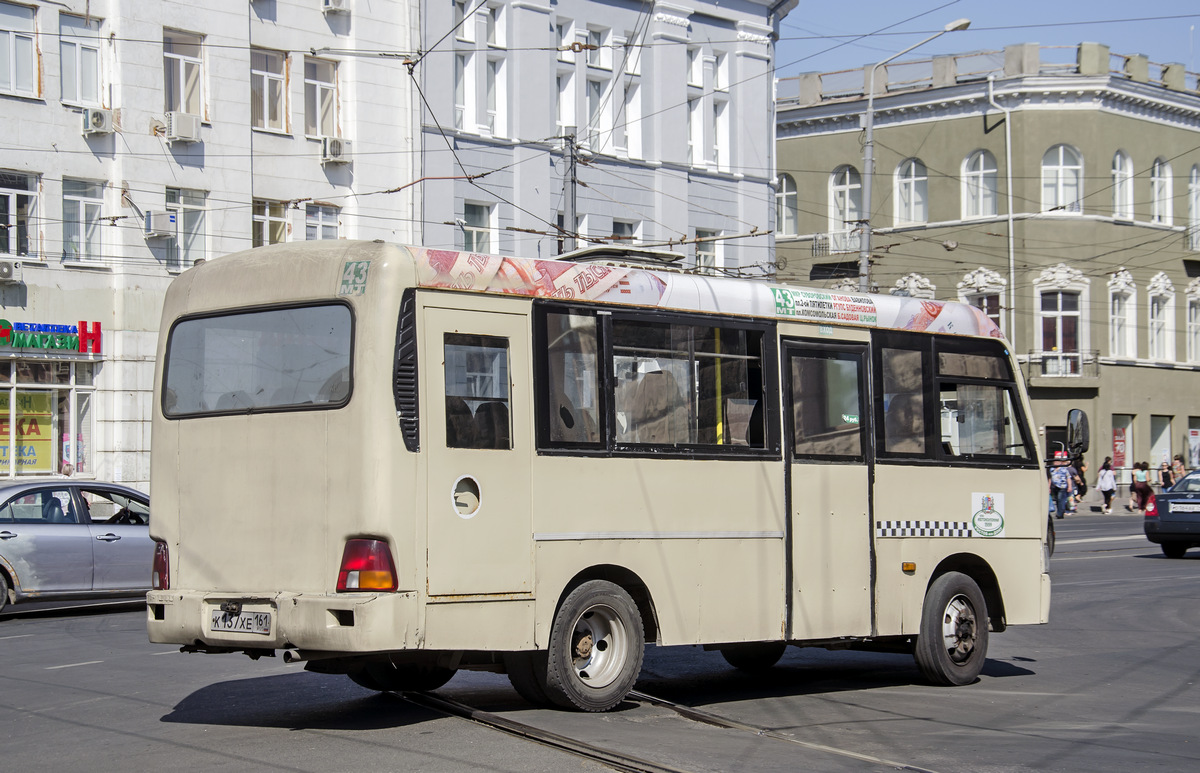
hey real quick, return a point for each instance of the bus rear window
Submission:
(264, 360)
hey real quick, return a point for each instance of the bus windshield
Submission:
(261, 360)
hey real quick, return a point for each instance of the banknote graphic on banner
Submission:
(34, 451)
(540, 278)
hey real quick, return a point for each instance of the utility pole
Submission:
(569, 181)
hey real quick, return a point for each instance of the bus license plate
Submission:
(246, 622)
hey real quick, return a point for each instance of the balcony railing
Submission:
(1081, 364)
(835, 242)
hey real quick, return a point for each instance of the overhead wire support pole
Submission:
(864, 239)
(570, 182)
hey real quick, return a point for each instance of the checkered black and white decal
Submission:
(923, 529)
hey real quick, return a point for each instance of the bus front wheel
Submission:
(953, 642)
(596, 647)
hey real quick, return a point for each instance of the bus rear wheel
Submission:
(527, 674)
(596, 647)
(952, 645)
(401, 677)
(754, 656)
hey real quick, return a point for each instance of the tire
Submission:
(596, 648)
(401, 677)
(527, 674)
(1169, 549)
(953, 642)
(3, 591)
(755, 656)
(1050, 535)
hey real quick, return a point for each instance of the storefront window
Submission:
(40, 432)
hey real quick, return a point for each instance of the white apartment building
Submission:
(669, 107)
(138, 137)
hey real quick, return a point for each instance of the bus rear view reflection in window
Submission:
(263, 360)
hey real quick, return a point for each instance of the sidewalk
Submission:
(1093, 502)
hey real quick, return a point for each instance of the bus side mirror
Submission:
(1078, 435)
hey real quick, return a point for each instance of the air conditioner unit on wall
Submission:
(10, 271)
(183, 127)
(335, 6)
(97, 120)
(160, 224)
(335, 150)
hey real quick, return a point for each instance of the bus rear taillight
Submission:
(160, 574)
(366, 565)
(1151, 507)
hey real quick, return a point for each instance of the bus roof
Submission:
(564, 280)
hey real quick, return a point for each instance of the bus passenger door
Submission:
(479, 444)
(829, 490)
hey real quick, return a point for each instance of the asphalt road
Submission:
(1109, 685)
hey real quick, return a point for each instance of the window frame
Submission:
(179, 253)
(931, 346)
(71, 31)
(263, 222)
(81, 223)
(266, 78)
(183, 63)
(475, 231)
(11, 68)
(912, 193)
(1162, 209)
(1122, 184)
(1056, 172)
(608, 446)
(787, 206)
(858, 352)
(845, 199)
(313, 114)
(980, 185)
(318, 216)
(10, 219)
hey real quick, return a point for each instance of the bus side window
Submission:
(903, 402)
(572, 366)
(477, 399)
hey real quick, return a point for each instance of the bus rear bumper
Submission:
(342, 623)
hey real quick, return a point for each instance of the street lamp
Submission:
(864, 242)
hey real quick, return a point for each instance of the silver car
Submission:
(73, 538)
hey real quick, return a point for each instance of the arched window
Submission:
(845, 206)
(1062, 180)
(1122, 186)
(979, 185)
(1160, 193)
(786, 206)
(912, 192)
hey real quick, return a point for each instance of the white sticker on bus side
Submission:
(987, 514)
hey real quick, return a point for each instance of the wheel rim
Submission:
(959, 628)
(598, 646)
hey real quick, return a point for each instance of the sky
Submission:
(825, 35)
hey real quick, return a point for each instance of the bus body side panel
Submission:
(931, 499)
(705, 536)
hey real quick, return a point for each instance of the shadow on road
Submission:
(300, 701)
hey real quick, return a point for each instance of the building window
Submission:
(477, 227)
(695, 131)
(495, 98)
(979, 185)
(624, 232)
(1059, 314)
(707, 251)
(190, 242)
(321, 222)
(18, 213)
(620, 123)
(1193, 233)
(268, 93)
(599, 53)
(787, 206)
(595, 98)
(1160, 193)
(845, 206)
(912, 192)
(721, 73)
(18, 52)
(633, 54)
(1062, 180)
(1193, 321)
(495, 25)
(984, 289)
(1121, 341)
(269, 222)
(695, 67)
(183, 72)
(51, 417)
(82, 202)
(720, 135)
(1160, 337)
(79, 51)
(320, 98)
(564, 38)
(461, 71)
(1122, 185)
(565, 102)
(464, 25)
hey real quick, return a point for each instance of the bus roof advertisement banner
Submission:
(566, 280)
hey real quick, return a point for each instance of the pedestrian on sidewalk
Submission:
(1139, 491)
(1106, 482)
(1060, 483)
